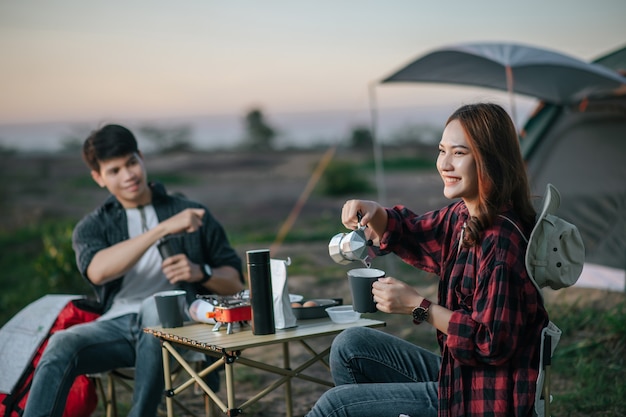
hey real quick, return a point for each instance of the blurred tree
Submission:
(344, 178)
(361, 138)
(420, 134)
(168, 139)
(7, 150)
(72, 141)
(259, 135)
(71, 144)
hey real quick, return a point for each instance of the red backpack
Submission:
(82, 398)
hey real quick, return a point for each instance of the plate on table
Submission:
(314, 308)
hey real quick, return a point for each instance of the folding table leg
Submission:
(230, 383)
(168, 381)
(287, 365)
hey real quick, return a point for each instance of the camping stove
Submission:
(229, 310)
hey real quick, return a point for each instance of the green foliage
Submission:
(591, 357)
(56, 263)
(344, 178)
(259, 134)
(39, 261)
(361, 138)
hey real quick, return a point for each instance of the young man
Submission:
(116, 251)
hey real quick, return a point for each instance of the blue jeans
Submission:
(379, 375)
(98, 347)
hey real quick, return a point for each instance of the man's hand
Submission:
(187, 221)
(179, 268)
(224, 281)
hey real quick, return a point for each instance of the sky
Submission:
(87, 61)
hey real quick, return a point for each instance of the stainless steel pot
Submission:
(345, 248)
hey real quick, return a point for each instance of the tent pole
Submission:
(509, 87)
(378, 163)
(378, 154)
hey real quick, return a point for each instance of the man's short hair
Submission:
(110, 141)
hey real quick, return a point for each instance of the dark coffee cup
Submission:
(361, 280)
(170, 306)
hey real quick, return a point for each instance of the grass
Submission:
(590, 360)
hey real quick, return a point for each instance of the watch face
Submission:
(208, 270)
(420, 314)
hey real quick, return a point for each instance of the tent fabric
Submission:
(541, 73)
(582, 154)
(21, 336)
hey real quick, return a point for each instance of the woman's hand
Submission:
(394, 296)
(371, 214)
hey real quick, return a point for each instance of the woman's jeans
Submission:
(96, 347)
(379, 375)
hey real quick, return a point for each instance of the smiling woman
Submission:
(489, 315)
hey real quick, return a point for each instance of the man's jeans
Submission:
(98, 347)
(379, 375)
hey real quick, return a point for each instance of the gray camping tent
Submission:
(581, 149)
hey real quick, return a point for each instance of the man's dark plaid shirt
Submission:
(490, 357)
(107, 225)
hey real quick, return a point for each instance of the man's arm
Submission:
(113, 262)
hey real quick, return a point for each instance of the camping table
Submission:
(230, 348)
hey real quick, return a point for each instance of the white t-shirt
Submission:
(146, 277)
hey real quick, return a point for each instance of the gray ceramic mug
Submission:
(170, 306)
(361, 280)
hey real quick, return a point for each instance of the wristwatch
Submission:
(420, 313)
(207, 273)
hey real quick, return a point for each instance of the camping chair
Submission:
(550, 337)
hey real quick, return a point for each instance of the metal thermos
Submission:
(261, 298)
(165, 248)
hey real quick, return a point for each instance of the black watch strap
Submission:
(207, 273)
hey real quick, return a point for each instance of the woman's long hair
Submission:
(501, 171)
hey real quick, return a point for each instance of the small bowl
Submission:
(343, 314)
